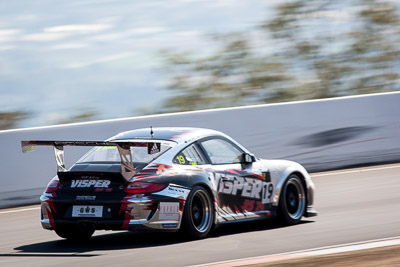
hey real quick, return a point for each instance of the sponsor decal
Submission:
(266, 176)
(90, 183)
(169, 225)
(85, 197)
(87, 211)
(173, 191)
(249, 188)
(252, 205)
(169, 211)
(153, 148)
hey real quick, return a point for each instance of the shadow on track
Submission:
(131, 240)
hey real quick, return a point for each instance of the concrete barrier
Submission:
(320, 134)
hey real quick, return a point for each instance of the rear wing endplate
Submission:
(127, 168)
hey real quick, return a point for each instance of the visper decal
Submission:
(90, 183)
(245, 187)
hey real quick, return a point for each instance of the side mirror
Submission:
(247, 158)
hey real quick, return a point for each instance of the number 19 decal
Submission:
(267, 191)
(181, 159)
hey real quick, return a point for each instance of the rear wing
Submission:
(127, 168)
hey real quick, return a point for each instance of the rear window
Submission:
(143, 152)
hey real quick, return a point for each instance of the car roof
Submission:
(177, 134)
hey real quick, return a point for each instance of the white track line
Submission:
(307, 253)
(355, 171)
(19, 210)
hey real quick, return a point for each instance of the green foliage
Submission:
(9, 120)
(82, 116)
(231, 76)
(375, 48)
(309, 57)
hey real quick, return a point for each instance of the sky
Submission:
(60, 58)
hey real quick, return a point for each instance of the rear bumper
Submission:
(132, 213)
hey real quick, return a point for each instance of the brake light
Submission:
(53, 185)
(142, 188)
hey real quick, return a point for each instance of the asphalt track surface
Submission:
(354, 205)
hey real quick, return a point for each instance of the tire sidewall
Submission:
(283, 213)
(187, 223)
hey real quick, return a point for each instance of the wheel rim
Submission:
(295, 198)
(201, 211)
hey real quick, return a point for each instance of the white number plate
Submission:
(87, 211)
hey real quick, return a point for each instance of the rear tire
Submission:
(79, 232)
(292, 201)
(198, 215)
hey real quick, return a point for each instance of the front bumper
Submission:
(310, 212)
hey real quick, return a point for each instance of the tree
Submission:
(358, 58)
(301, 29)
(82, 116)
(314, 55)
(375, 48)
(233, 75)
(9, 120)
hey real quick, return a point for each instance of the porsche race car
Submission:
(169, 179)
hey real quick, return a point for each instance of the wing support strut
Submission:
(127, 167)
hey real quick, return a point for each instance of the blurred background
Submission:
(81, 60)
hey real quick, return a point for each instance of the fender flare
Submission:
(304, 176)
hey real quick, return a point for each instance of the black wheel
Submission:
(79, 232)
(198, 215)
(292, 202)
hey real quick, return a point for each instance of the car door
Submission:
(243, 189)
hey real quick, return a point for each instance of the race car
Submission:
(169, 179)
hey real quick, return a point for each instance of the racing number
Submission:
(268, 189)
(181, 159)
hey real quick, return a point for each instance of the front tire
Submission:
(198, 214)
(292, 203)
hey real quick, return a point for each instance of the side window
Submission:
(221, 152)
(189, 156)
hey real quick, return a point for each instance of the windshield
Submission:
(144, 151)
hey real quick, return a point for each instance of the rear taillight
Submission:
(53, 185)
(142, 188)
